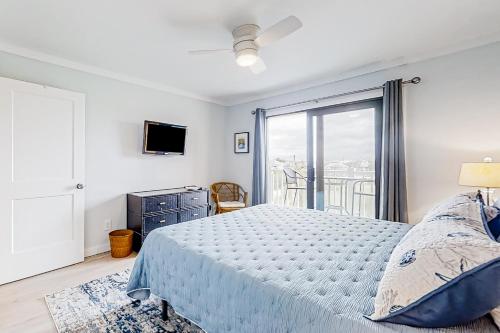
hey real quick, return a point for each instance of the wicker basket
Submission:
(121, 243)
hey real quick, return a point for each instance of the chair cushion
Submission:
(444, 272)
(231, 204)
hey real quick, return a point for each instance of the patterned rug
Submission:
(102, 306)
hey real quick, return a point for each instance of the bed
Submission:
(273, 269)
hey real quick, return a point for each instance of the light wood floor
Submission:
(22, 304)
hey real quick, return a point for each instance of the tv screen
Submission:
(164, 139)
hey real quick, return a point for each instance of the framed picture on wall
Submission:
(241, 143)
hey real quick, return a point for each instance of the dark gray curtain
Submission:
(259, 191)
(391, 196)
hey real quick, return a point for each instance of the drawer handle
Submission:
(195, 198)
(196, 214)
(163, 221)
(163, 203)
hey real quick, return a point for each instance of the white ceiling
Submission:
(146, 41)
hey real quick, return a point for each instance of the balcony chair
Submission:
(362, 189)
(292, 183)
(228, 197)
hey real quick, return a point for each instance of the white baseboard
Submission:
(93, 250)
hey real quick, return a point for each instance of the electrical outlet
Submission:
(108, 224)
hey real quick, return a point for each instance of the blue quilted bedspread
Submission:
(273, 269)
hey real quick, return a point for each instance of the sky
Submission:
(348, 136)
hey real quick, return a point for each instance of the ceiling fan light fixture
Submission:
(246, 57)
(248, 39)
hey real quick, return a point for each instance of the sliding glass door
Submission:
(326, 158)
(342, 157)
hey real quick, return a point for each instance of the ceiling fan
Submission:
(248, 40)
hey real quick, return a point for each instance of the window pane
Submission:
(287, 148)
(349, 162)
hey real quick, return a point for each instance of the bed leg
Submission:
(164, 310)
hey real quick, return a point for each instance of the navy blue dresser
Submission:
(149, 210)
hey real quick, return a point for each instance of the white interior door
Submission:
(42, 147)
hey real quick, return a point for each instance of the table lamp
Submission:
(482, 174)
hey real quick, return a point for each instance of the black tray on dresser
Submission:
(149, 210)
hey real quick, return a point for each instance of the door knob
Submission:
(79, 186)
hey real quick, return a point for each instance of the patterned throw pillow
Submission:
(444, 272)
(448, 206)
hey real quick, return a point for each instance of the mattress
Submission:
(273, 269)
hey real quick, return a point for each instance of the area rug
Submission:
(102, 305)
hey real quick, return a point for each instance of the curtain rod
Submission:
(415, 80)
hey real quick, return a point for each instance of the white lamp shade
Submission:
(480, 175)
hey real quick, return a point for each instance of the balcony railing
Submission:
(346, 192)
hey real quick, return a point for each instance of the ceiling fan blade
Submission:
(202, 52)
(281, 29)
(258, 67)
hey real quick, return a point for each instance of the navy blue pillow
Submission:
(494, 228)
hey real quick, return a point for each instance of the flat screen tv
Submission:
(164, 139)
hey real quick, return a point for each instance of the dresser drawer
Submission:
(195, 198)
(159, 203)
(153, 222)
(193, 214)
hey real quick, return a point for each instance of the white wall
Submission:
(451, 117)
(115, 113)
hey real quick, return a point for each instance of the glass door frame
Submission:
(315, 147)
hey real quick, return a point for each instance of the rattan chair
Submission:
(228, 197)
